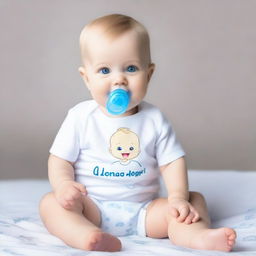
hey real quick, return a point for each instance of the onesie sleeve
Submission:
(66, 143)
(168, 149)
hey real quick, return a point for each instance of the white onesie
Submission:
(117, 159)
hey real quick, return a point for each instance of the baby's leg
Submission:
(79, 227)
(197, 235)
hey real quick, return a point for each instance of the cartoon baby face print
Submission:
(124, 144)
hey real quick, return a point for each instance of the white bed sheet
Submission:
(230, 195)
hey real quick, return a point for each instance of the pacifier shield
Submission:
(118, 101)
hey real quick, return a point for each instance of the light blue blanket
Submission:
(22, 232)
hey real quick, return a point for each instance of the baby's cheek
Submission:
(133, 153)
(119, 154)
(101, 94)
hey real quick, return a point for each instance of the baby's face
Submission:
(124, 146)
(117, 63)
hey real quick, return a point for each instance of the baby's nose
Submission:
(120, 79)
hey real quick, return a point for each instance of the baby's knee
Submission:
(193, 195)
(46, 201)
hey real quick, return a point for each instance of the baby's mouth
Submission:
(125, 155)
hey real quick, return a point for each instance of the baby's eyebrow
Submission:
(136, 62)
(101, 64)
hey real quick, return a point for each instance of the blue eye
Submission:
(131, 148)
(131, 68)
(104, 71)
(119, 148)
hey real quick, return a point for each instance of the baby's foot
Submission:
(100, 241)
(221, 239)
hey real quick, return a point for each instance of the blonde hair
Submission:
(124, 130)
(113, 26)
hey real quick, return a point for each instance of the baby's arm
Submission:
(61, 176)
(176, 181)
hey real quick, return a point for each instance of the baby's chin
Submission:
(123, 159)
(132, 109)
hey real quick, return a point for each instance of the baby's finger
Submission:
(73, 193)
(69, 196)
(196, 214)
(196, 217)
(65, 204)
(81, 188)
(69, 204)
(189, 218)
(183, 213)
(76, 194)
(174, 212)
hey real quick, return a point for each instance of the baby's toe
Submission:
(231, 242)
(231, 236)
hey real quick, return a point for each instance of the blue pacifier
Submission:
(118, 101)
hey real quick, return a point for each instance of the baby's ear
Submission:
(83, 75)
(151, 69)
(81, 71)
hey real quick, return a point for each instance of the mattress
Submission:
(230, 195)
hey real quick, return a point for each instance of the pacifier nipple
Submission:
(118, 101)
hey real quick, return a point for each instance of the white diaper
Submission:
(122, 218)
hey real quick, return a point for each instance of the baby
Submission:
(104, 168)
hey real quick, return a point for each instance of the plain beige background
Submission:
(205, 80)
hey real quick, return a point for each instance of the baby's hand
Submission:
(183, 211)
(68, 192)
